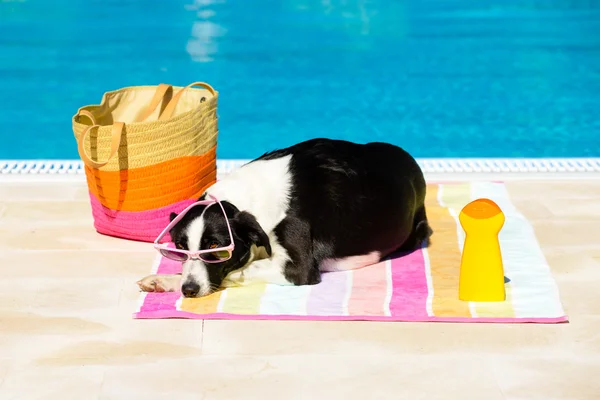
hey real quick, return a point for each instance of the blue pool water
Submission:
(442, 78)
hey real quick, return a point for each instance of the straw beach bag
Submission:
(148, 151)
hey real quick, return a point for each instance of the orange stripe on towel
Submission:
(444, 258)
(202, 305)
(156, 186)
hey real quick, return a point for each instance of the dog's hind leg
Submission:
(291, 263)
(160, 283)
(421, 232)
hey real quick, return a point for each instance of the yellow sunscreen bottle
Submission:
(481, 269)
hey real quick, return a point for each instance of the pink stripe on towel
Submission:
(163, 302)
(409, 295)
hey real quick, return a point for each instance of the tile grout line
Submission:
(491, 368)
(202, 338)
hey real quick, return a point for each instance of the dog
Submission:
(321, 205)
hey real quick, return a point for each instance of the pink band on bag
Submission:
(143, 225)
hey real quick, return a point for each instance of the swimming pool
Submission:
(440, 78)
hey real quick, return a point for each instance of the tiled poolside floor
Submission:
(66, 332)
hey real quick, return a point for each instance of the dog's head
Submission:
(204, 227)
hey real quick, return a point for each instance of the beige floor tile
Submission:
(15, 298)
(170, 331)
(34, 383)
(534, 210)
(26, 337)
(27, 351)
(100, 339)
(76, 238)
(42, 191)
(571, 263)
(307, 377)
(401, 339)
(563, 233)
(548, 377)
(47, 212)
(123, 352)
(66, 264)
(577, 274)
(31, 216)
(556, 189)
(587, 209)
(4, 366)
(567, 201)
(580, 299)
(65, 295)
(27, 324)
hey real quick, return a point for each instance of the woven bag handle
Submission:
(170, 108)
(117, 132)
(89, 115)
(159, 95)
(117, 128)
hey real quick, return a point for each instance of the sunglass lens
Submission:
(173, 255)
(216, 256)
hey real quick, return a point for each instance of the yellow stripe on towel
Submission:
(502, 309)
(244, 299)
(444, 256)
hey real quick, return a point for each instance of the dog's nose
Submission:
(190, 289)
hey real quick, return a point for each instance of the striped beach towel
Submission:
(420, 286)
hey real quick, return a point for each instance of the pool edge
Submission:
(446, 168)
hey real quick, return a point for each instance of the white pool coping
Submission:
(449, 169)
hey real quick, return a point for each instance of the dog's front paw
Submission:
(160, 283)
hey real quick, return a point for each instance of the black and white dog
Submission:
(318, 206)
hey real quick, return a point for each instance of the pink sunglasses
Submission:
(218, 254)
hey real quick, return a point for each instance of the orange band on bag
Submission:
(155, 186)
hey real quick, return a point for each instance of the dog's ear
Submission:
(248, 228)
(172, 216)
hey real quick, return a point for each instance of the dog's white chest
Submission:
(261, 188)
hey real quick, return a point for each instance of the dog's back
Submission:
(357, 198)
